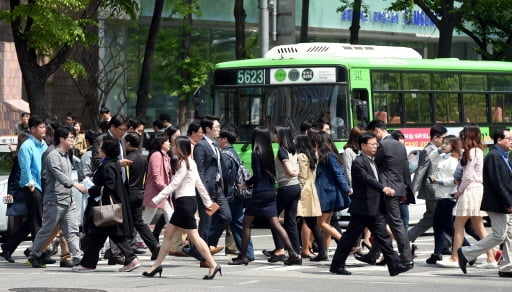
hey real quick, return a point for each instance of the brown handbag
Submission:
(107, 215)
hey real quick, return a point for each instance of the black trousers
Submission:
(136, 198)
(32, 223)
(394, 220)
(377, 225)
(92, 243)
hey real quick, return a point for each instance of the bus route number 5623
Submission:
(250, 76)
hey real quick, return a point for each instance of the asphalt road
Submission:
(184, 274)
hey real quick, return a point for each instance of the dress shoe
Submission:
(212, 275)
(239, 261)
(116, 260)
(340, 271)
(268, 253)
(139, 251)
(463, 262)
(154, 253)
(320, 257)
(130, 266)
(204, 264)
(215, 249)
(276, 258)
(178, 253)
(505, 274)
(66, 264)
(46, 259)
(400, 268)
(293, 260)
(364, 258)
(35, 262)
(434, 258)
(7, 256)
(151, 274)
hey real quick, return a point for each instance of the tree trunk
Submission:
(240, 16)
(445, 39)
(34, 85)
(356, 20)
(145, 74)
(304, 22)
(186, 38)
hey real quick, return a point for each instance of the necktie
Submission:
(219, 166)
(374, 167)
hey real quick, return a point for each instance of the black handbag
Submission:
(107, 215)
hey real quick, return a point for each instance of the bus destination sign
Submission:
(302, 75)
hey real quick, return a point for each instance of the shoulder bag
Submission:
(107, 215)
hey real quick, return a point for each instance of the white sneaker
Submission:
(486, 265)
(82, 269)
(447, 264)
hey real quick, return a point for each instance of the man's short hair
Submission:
(62, 132)
(35, 120)
(104, 110)
(133, 138)
(193, 127)
(23, 114)
(207, 122)
(91, 135)
(118, 120)
(376, 124)
(364, 137)
(229, 135)
(437, 131)
(164, 117)
(158, 124)
(499, 134)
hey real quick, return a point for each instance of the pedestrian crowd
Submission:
(200, 185)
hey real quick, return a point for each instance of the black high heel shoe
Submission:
(293, 259)
(210, 277)
(152, 274)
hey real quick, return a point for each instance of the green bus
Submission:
(349, 85)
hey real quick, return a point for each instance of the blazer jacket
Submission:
(420, 184)
(497, 187)
(367, 198)
(391, 160)
(206, 160)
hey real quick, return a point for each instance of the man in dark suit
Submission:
(367, 210)
(391, 160)
(497, 201)
(207, 155)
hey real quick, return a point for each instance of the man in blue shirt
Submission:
(29, 159)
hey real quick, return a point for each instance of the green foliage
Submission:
(349, 4)
(75, 69)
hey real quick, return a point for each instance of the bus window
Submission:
(500, 82)
(445, 81)
(360, 107)
(501, 108)
(474, 108)
(474, 82)
(387, 107)
(446, 108)
(417, 107)
(385, 81)
(416, 81)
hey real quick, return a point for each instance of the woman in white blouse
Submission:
(184, 184)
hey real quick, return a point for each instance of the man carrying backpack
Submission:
(230, 176)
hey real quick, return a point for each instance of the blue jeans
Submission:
(237, 217)
(287, 200)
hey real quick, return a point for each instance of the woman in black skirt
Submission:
(184, 183)
(263, 201)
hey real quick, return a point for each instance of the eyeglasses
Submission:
(372, 144)
(70, 137)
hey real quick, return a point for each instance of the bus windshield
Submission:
(288, 105)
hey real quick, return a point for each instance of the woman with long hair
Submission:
(331, 184)
(158, 176)
(288, 193)
(184, 184)
(309, 204)
(469, 195)
(263, 200)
